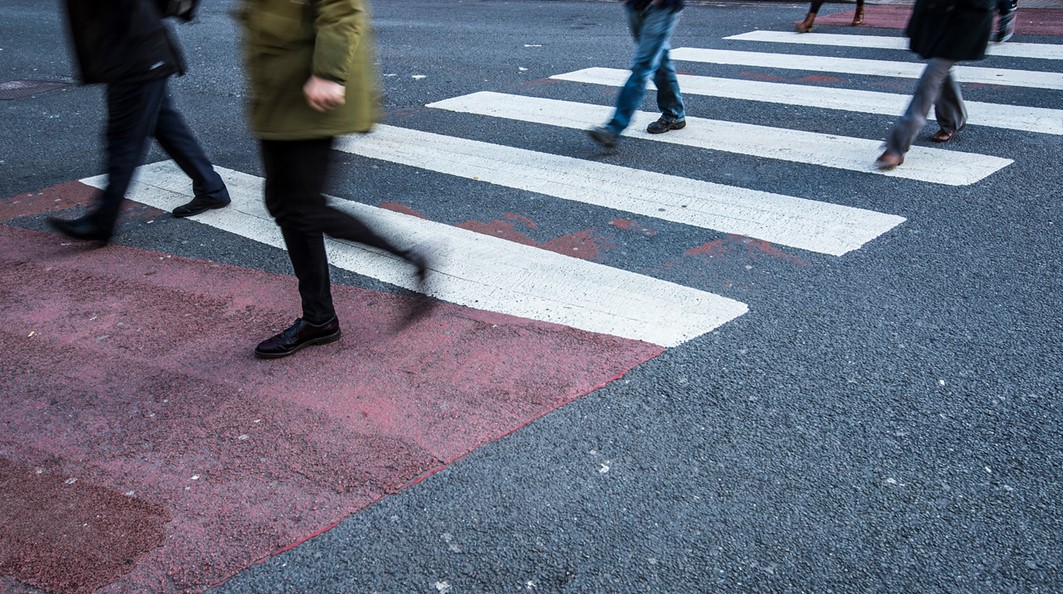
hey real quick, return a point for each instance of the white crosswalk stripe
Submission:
(485, 272)
(1011, 49)
(473, 269)
(784, 220)
(1012, 117)
(964, 74)
(826, 150)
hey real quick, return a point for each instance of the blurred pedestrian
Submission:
(311, 77)
(1005, 20)
(126, 45)
(806, 25)
(942, 32)
(651, 23)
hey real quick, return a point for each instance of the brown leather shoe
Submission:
(888, 160)
(806, 25)
(301, 334)
(942, 136)
(858, 18)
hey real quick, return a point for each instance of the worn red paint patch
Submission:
(132, 371)
(741, 246)
(55, 198)
(522, 219)
(821, 79)
(629, 225)
(64, 534)
(586, 244)
(1028, 21)
(497, 228)
(760, 76)
(400, 207)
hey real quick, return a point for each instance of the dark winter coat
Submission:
(952, 29)
(286, 41)
(121, 41)
(640, 4)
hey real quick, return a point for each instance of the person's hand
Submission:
(322, 94)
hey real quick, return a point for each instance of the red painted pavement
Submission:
(1028, 21)
(143, 447)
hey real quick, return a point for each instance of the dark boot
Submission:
(858, 18)
(806, 25)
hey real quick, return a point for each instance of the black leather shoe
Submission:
(300, 334)
(200, 204)
(83, 228)
(662, 125)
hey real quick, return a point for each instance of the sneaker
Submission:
(1005, 27)
(603, 137)
(662, 125)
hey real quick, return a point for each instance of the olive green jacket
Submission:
(284, 42)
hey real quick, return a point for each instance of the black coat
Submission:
(121, 41)
(670, 4)
(952, 29)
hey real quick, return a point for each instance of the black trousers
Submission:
(136, 113)
(296, 177)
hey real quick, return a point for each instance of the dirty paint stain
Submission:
(629, 225)
(401, 208)
(585, 245)
(582, 244)
(760, 76)
(523, 219)
(738, 245)
(497, 228)
(59, 197)
(819, 78)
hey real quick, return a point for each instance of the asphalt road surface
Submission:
(731, 358)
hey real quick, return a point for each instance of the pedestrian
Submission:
(942, 32)
(651, 23)
(1005, 20)
(806, 25)
(311, 78)
(127, 46)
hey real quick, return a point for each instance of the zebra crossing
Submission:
(489, 273)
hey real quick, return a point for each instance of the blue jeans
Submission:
(651, 27)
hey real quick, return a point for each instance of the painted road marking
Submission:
(473, 269)
(785, 220)
(965, 74)
(1012, 117)
(1043, 51)
(853, 154)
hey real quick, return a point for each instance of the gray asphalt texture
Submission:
(884, 421)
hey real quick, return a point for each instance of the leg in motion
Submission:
(1005, 20)
(651, 27)
(174, 136)
(132, 112)
(927, 90)
(806, 25)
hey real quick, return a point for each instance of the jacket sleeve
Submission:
(339, 26)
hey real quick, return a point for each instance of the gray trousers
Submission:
(937, 88)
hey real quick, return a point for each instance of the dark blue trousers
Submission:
(136, 113)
